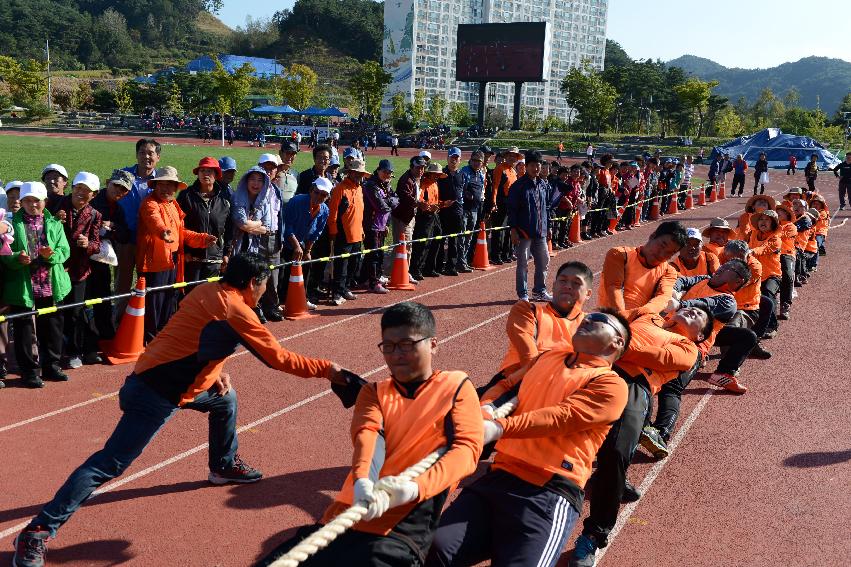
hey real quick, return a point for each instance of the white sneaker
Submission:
(412, 279)
(75, 362)
(311, 306)
(383, 280)
(541, 296)
(794, 293)
(338, 300)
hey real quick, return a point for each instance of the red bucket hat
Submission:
(212, 163)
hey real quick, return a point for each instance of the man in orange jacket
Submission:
(534, 328)
(522, 511)
(694, 259)
(396, 423)
(345, 228)
(660, 349)
(637, 281)
(182, 369)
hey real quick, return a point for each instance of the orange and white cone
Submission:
(654, 209)
(296, 306)
(689, 200)
(722, 190)
(550, 248)
(129, 341)
(701, 197)
(672, 206)
(713, 196)
(480, 253)
(399, 278)
(574, 229)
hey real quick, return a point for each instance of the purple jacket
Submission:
(378, 201)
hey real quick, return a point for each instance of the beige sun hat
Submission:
(167, 173)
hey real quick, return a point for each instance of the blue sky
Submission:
(735, 33)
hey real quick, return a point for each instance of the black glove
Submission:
(348, 393)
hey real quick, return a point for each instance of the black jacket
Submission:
(210, 216)
(119, 233)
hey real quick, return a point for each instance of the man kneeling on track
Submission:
(397, 422)
(535, 328)
(182, 369)
(661, 348)
(522, 511)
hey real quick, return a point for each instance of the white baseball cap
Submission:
(34, 189)
(54, 167)
(264, 158)
(425, 154)
(90, 180)
(323, 184)
(13, 185)
(694, 233)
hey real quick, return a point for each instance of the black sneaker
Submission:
(54, 374)
(92, 358)
(275, 315)
(465, 269)
(652, 440)
(31, 381)
(760, 353)
(31, 548)
(630, 493)
(239, 472)
(449, 272)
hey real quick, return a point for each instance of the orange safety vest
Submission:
(748, 296)
(551, 331)
(412, 429)
(639, 283)
(822, 223)
(555, 377)
(705, 265)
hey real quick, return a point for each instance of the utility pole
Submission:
(49, 93)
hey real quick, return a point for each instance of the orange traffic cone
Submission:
(129, 341)
(672, 206)
(722, 190)
(296, 306)
(712, 194)
(480, 254)
(550, 248)
(654, 209)
(701, 197)
(636, 214)
(399, 278)
(574, 230)
(689, 200)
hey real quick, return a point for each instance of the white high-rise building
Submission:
(420, 38)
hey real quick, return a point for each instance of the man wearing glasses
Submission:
(522, 510)
(474, 178)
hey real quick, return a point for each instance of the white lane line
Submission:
(57, 412)
(655, 471)
(188, 453)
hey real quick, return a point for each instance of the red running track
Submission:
(754, 480)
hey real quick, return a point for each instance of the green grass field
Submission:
(23, 157)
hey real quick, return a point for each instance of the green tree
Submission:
(417, 108)
(122, 98)
(367, 87)
(231, 90)
(297, 86)
(174, 101)
(83, 97)
(27, 82)
(587, 92)
(437, 110)
(767, 110)
(530, 118)
(554, 123)
(694, 95)
(728, 123)
(459, 114)
(398, 110)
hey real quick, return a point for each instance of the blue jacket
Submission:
(298, 222)
(132, 201)
(527, 207)
(474, 187)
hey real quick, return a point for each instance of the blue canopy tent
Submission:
(272, 109)
(777, 147)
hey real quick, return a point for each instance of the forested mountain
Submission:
(819, 80)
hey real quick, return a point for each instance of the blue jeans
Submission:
(538, 249)
(145, 412)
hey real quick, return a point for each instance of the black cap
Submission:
(487, 150)
(288, 146)
(418, 161)
(385, 165)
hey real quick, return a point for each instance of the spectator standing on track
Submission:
(11, 205)
(206, 204)
(559, 150)
(345, 230)
(527, 208)
(379, 201)
(451, 195)
(427, 224)
(589, 152)
(82, 231)
(162, 237)
(394, 145)
(792, 168)
(285, 178)
(409, 192)
(147, 157)
(740, 167)
(811, 172)
(843, 172)
(402, 515)
(474, 177)
(760, 173)
(523, 509)
(715, 174)
(504, 177)
(258, 227)
(181, 369)
(321, 160)
(304, 221)
(114, 232)
(35, 278)
(55, 178)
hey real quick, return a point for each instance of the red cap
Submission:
(212, 163)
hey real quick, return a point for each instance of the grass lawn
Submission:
(23, 157)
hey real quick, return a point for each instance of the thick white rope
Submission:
(353, 514)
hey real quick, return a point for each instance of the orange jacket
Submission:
(187, 356)
(532, 329)
(715, 249)
(566, 405)
(153, 253)
(656, 353)
(788, 233)
(707, 263)
(802, 238)
(631, 287)
(748, 296)
(812, 243)
(504, 177)
(351, 217)
(744, 228)
(604, 177)
(767, 251)
(429, 191)
(822, 223)
(412, 426)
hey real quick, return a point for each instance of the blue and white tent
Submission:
(777, 147)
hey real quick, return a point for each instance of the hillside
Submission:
(813, 77)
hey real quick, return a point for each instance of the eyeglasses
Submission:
(406, 345)
(597, 317)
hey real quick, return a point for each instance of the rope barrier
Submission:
(179, 285)
(323, 537)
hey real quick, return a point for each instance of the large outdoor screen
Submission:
(502, 52)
